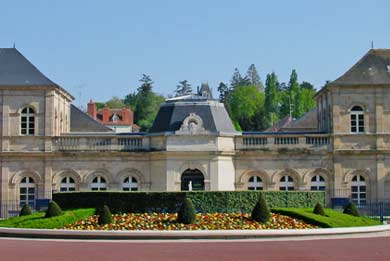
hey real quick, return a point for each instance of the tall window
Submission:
(27, 121)
(286, 183)
(99, 184)
(358, 190)
(68, 184)
(255, 183)
(317, 183)
(130, 184)
(357, 119)
(27, 192)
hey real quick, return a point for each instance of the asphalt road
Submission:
(374, 248)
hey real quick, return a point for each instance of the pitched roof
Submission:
(308, 121)
(15, 69)
(82, 122)
(280, 124)
(372, 68)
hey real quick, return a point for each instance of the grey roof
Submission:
(82, 122)
(306, 122)
(213, 114)
(15, 69)
(372, 68)
(205, 91)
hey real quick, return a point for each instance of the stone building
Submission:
(49, 145)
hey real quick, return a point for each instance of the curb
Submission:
(196, 234)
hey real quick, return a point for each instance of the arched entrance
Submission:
(195, 176)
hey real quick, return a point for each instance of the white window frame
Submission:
(28, 184)
(99, 183)
(359, 196)
(25, 119)
(357, 119)
(286, 183)
(67, 185)
(318, 183)
(255, 183)
(130, 183)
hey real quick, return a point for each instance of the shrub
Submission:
(105, 216)
(53, 210)
(351, 209)
(260, 212)
(186, 214)
(319, 210)
(26, 210)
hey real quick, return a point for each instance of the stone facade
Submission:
(200, 145)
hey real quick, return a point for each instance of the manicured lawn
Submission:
(37, 220)
(332, 219)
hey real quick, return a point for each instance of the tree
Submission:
(186, 214)
(254, 78)
(26, 210)
(105, 216)
(53, 210)
(319, 210)
(307, 85)
(295, 94)
(237, 80)
(183, 88)
(272, 98)
(260, 212)
(223, 91)
(351, 209)
(115, 103)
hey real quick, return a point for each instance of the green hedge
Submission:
(204, 201)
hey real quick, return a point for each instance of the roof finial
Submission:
(14, 45)
(372, 44)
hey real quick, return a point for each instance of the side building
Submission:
(48, 145)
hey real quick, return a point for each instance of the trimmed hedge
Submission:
(170, 202)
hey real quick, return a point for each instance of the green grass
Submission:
(332, 219)
(38, 220)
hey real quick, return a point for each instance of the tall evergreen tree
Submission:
(272, 97)
(295, 94)
(183, 88)
(254, 78)
(223, 90)
(236, 79)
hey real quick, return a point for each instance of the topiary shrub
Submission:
(186, 214)
(105, 216)
(319, 210)
(53, 210)
(26, 210)
(260, 212)
(351, 209)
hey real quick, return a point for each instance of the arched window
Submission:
(357, 119)
(286, 183)
(358, 190)
(68, 184)
(130, 184)
(27, 192)
(255, 183)
(317, 183)
(99, 184)
(27, 121)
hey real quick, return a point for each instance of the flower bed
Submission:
(165, 221)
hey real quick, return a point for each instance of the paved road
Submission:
(375, 248)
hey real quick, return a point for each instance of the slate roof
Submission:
(172, 114)
(82, 122)
(372, 69)
(306, 122)
(280, 124)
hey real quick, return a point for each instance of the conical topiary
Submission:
(260, 212)
(319, 210)
(351, 209)
(53, 210)
(186, 214)
(105, 216)
(26, 210)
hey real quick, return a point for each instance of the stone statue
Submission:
(190, 186)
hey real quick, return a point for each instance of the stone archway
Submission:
(195, 176)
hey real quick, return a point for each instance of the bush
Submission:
(26, 210)
(260, 212)
(105, 216)
(170, 202)
(53, 210)
(187, 212)
(319, 210)
(351, 209)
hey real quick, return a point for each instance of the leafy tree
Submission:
(306, 99)
(295, 94)
(307, 85)
(254, 78)
(131, 100)
(183, 88)
(223, 91)
(115, 103)
(272, 98)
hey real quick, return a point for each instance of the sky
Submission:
(100, 49)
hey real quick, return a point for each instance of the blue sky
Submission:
(103, 47)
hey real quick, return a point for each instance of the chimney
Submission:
(92, 111)
(106, 115)
(127, 116)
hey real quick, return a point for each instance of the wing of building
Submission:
(49, 145)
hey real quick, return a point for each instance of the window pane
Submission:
(31, 119)
(63, 189)
(126, 189)
(72, 189)
(23, 190)
(31, 131)
(134, 189)
(103, 189)
(313, 188)
(290, 188)
(251, 188)
(362, 188)
(354, 189)
(94, 189)
(22, 197)
(31, 190)
(322, 188)
(126, 180)
(71, 180)
(134, 180)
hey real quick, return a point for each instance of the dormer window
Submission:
(27, 121)
(357, 119)
(115, 118)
